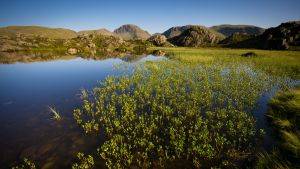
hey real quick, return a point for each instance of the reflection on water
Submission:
(27, 89)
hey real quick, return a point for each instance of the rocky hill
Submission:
(55, 33)
(229, 30)
(102, 31)
(197, 36)
(175, 31)
(130, 31)
(282, 37)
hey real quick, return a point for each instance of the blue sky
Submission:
(152, 15)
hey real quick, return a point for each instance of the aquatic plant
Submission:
(85, 162)
(55, 113)
(170, 111)
(25, 164)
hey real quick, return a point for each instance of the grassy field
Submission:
(283, 63)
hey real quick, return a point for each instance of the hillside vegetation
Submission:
(102, 31)
(55, 33)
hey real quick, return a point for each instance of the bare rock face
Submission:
(72, 51)
(158, 40)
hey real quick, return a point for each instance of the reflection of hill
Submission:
(34, 56)
(24, 57)
(132, 58)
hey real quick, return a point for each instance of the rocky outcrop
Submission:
(158, 40)
(229, 30)
(196, 36)
(130, 31)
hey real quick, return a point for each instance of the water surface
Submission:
(26, 91)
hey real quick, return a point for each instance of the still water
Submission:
(26, 91)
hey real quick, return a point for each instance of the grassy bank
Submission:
(284, 118)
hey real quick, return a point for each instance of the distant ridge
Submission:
(130, 31)
(284, 36)
(228, 30)
(101, 31)
(56, 33)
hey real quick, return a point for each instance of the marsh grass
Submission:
(279, 63)
(271, 160)
(284, 117)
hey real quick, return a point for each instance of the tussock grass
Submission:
(285, 119)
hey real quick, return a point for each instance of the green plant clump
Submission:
(170, 112)
(85, 162)
(25, 164)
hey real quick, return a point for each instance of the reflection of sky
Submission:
(45, 82)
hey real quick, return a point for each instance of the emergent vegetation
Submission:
(174, 112)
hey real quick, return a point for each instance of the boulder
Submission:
(72, 51)
(159, 53)
(158, 40)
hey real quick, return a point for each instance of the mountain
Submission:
(56, 33)
(228, 30)
(102, 31)
(284, 36)
(175, 31)
(130, 31)
(281, 37)
(197, 36)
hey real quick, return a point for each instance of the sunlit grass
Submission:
(282, 63)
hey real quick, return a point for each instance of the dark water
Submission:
(26, 91)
